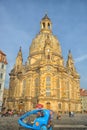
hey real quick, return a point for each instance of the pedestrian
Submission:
(50, 122)
(72, 113)
(58, 115)
(69, 113)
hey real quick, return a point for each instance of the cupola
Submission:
(46, 25)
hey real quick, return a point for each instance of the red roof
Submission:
(3, 57)
(83, 92)
(2, 53)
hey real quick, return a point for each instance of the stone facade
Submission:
(44, 78)
(83, 93)
(3, 63)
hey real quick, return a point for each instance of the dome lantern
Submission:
(46, 25)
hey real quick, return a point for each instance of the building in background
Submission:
(44, 78)
(5, 97)
(3, 63)
(83, 94)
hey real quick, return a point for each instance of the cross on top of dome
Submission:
(46, 17)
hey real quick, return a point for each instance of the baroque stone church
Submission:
(44, 79)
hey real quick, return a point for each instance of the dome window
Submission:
(48, 25)
(43, 25)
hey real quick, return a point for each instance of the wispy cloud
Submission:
(80, 59)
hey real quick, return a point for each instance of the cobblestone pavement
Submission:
(78, 121)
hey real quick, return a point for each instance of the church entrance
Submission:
(21, 106)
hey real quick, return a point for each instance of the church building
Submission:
(44, 79)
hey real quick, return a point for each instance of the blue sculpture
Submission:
(41, 120)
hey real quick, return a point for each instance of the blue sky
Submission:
(20, 22)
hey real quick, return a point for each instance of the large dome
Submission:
(40, 41)
(45, 37)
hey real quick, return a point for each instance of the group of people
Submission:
(7, 113)
(71, 114)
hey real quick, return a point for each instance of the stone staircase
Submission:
(64, 127)
(70, 127)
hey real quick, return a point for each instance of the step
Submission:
(70, 127)
(64, 127)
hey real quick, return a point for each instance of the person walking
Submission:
(58, 115)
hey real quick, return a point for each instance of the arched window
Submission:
(58, 87)
(0, 85)
(43, 25)
(2, 66)
(1, 75)
(23, 87)
(48, 81)
(48, 25)
(48, 85)
(48, 92)
(36, 87)
(67, 89)
(59, 105)
(36, 82)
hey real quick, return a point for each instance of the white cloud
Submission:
(80, 59)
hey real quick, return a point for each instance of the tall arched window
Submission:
(36, 87)
(23, 88)
(59, 105)
(48, 86)
(48, 26)
(1, 75)
(2, 66)
(48, 81)
(43, 25)
(0, 86)
(67, 89)
(58, 88)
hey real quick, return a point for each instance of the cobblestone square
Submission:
(79, 121)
